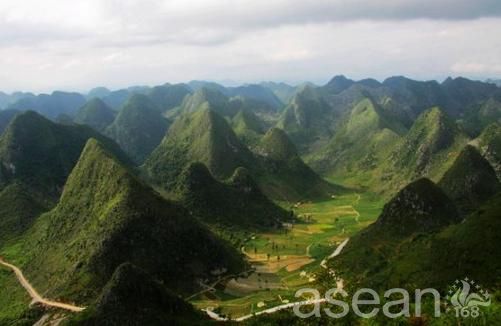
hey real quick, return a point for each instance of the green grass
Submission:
(331, 221)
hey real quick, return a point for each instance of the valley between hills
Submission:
(199, 204)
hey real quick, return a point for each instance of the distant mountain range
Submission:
(127, 201)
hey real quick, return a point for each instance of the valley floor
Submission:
(287, 260)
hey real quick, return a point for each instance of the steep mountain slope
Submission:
(415, 96)
(206, 137)
(36, 157)
(98, 92)
(19, 205)
(96, 114)
(338, 84)
(471, 180)
(489, 144)
(51, 105)
(236, 203)
(307, 119)
(428, 149)
(207, 98)
(138, 128)
(167, 97)
(283, 91)
(195, 85)
(41, 154)
(107, 217)
(284, 175)
(203, 136)
(257, 93)
(133, 297)
(248, 127)
(434, 260)
(116, 99)
(463, 93)
(419, 209)
(361, 142)
(480, 116)
(6, 117)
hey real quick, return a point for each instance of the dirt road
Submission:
(34, 294)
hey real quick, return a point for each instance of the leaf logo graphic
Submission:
(463, 298)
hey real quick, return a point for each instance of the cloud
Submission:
(475, 68)
(122, 42)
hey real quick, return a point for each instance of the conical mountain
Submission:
(133, 297)
(418, 210)
(19, 206)
(489, 144)
(284, 175)
(36, 157)
(6, 117)
(96, 114)
(206, 137)
(470, 180)
(248, 127)
(203, 136)
(283, 91)
(257, 93)
(419, 207)
(98, 92)
(480, 116)
(361, 142)
(107, 217)
(380, 260)
(206, 98)
(138, 128)
(41, 154)
(338, 84)
(276, 145)
(237, 203)
(167, 97)
(307, 119)
(429, 148)
(463, 93)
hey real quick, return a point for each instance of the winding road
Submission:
(323, 264)
(37, 298)
(339, 283)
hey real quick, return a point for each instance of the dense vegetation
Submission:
(138, 128)
(220, 195)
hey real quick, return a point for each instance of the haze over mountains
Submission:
(132, 202)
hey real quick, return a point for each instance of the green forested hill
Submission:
(489, 144)
(96, 114)
(237, 203)
(206, 137)
(41, 153)
(138, 128)
(202, 136)
(133, 297)
(107, 217)
(419, 209)
(471, 179)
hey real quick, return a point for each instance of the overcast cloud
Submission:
(63, 44)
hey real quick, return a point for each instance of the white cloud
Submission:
(80, 44)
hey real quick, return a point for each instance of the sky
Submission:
(77, 45)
